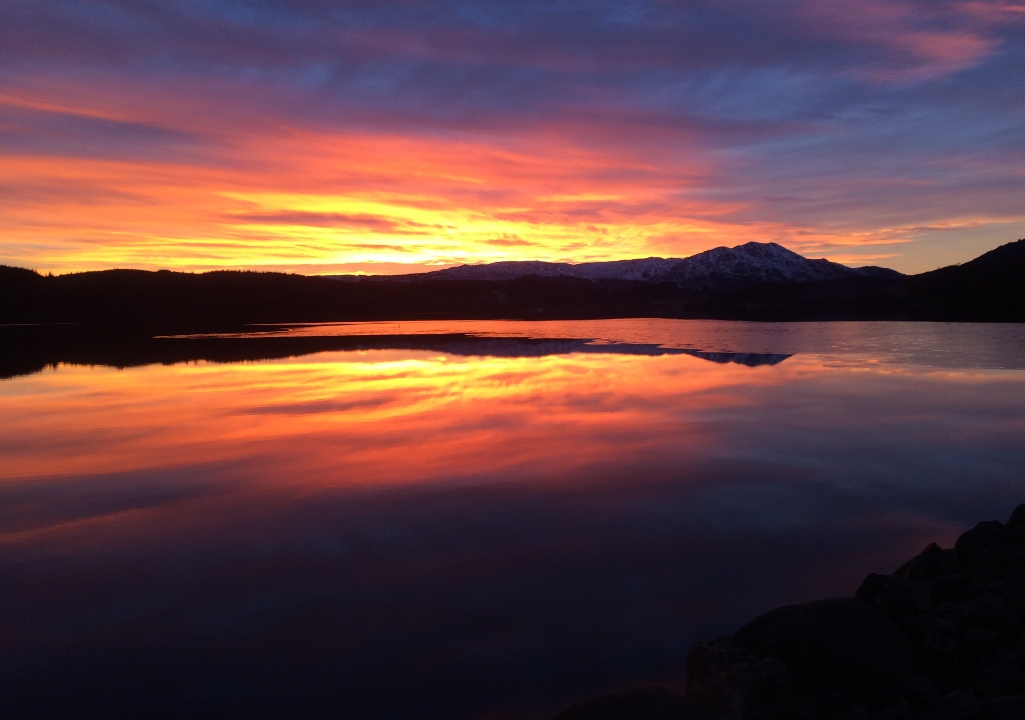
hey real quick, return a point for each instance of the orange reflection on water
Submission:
(355, 524)
(370, 417)
(188, 445)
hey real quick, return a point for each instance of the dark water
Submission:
(472, 520)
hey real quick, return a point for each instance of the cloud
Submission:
(57, 131)
(328, 220)
(452, 124)
(508, 241)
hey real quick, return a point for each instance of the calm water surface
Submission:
(490, 520)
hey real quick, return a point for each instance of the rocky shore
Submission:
(942, 638)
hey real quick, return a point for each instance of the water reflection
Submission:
(397, 532)
(954, 345)
(749, 359)
(32, 349)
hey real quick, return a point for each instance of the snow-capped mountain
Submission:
(719, 268)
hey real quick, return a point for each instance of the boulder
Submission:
(929, 564)
(990, 533)
(838, 652)
(895, 596)
(1015, 525)
(727, 682)
(995, 563)
(1011, 707)
(942, 638)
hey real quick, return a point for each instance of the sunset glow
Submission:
(355, 418)
(390, 137)
(351, 420)
(448, 515)
(453, 413)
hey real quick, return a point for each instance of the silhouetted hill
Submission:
(992, 286)
(760, 283)
(146, 302)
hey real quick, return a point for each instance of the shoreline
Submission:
(941, 638)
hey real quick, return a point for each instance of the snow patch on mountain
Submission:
(719, 268)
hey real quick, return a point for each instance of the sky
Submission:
(384, 136)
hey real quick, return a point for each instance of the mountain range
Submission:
(719, 269)
(753, 281)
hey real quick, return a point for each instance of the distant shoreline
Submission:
(738, 285)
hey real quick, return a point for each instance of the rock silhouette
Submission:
(942, 638)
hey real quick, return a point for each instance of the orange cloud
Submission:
(302, 199)
(193, 172)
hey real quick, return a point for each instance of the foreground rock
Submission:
(942, 638)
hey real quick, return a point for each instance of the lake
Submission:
(471, 519)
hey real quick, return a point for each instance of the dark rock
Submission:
(921, 691)
(943, 638)
(986, 630)
(729, 682)
(929, 564)
(964, 706)
(995, 564)
(1012, 590)
(999, 680)
(896, 597)
(984, 535)
(1008, 708)
(936, 646)
(1015, 525)
(954, 588)
(854, 712)
(648, 703)
(838, 651)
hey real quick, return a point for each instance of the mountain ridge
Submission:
(721, 268)
(751, 282)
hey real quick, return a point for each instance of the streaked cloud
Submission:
(306, 133)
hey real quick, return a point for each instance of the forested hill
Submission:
(989, 288)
